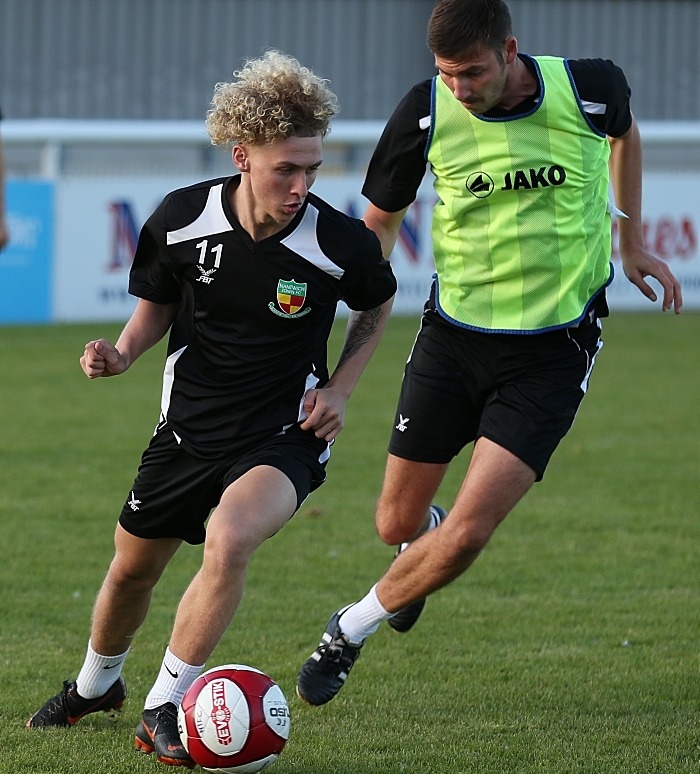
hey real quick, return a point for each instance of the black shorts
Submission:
(519, 391)
(174, 491)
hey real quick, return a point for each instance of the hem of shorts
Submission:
(149, 534)
(505, 444)
(429, 459)
(313, 485)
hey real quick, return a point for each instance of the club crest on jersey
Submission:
(291, 296)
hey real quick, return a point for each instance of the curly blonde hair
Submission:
(273, 98)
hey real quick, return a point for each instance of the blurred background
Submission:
(159, 59)
(103, 104)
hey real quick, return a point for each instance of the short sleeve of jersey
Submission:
(151, 276)
(603, 89)
(374, 283)
(368, 280)
(398, 164)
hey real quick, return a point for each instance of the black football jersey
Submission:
(251, 332)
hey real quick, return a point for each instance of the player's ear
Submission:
(239, 154)
(510, 50)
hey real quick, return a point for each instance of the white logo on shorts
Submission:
(401, 427)
(134, 503)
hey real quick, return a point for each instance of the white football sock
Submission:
(174, 678)
(99, 673)
(363, 618)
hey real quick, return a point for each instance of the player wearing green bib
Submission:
(525, 199)
(523, 149)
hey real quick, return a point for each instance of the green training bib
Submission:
(521, 231)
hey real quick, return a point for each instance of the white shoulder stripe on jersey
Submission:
(304, 242)
(594, 108)
(424, 123)
(212, 220)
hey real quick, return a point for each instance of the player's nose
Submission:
(462, 90)
(300, 186)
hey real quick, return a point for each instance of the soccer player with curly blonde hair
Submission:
(245, 272)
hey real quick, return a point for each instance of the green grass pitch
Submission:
(571, 646)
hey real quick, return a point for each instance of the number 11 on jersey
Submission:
(206, 276)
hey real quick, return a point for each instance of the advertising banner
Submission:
(98, 222)
(25, 264)
(671, 221)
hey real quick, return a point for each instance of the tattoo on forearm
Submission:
(361, 328)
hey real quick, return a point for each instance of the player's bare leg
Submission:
(495, 482)
(404, 512)
(408, 490)
(125, 596)
(251, 510)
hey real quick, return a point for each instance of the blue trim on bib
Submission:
(431, 131)
(537, 106)
(516, 331)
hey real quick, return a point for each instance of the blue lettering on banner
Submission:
(125, 236)
(112, 295)
(26, 262)
(410, 231)
(690, 283)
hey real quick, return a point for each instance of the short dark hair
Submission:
(456, 27)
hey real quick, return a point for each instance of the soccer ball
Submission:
(234, 718)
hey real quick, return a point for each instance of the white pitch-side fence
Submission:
(79, 191)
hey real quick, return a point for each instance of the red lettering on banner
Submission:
(688, 242)
(666, 237)
(663, 242)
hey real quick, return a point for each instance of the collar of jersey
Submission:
(244, 235)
